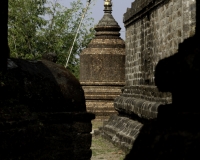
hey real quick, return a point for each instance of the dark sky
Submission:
(119, 8)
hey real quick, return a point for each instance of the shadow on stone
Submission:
(175, 134)
(43, 113)
(42, 108)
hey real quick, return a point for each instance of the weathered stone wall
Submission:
(154, 30)
(97, 63)
(100, 97)
(43, 113)
(159, 122)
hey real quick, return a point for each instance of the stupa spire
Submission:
(108, 6)
(107, 26)
(102, 67)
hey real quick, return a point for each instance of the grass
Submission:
(96, 124)
(102, 149)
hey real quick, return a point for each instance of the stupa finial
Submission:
(108, 6)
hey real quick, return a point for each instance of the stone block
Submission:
(43, 113)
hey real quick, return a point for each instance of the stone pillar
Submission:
(102, 66)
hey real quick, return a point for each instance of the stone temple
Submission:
(158, 110)
(102, 65)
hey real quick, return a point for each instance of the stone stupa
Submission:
(102, 66)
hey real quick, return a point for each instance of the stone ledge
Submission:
(102, 83)
(103, 51)
(121, 131)
(146, 90)
(148, 93)
(106, 46)
(142, 108)
(99, 97)
(139, 8)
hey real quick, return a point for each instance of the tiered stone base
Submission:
(136, 106)
(100, 98)
(101, 108)
(170, 136)
(121, 131)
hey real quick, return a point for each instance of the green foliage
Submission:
(37, 27)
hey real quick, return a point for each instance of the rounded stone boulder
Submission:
(42, 86)
(42, 113)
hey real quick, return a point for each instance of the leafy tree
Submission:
(40, 26)
(24, 21)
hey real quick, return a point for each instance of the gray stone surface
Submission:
(140, 107)
(161, 42)
(161, 27)
(156, 35)
(121, 131)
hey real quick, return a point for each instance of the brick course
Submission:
(164, 32)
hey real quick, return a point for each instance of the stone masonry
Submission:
(156, 35)
(43, 113)
(155, 30)
(102, 66)
(42, 108)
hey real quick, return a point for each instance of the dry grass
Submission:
(102, 149)
(96, 124)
